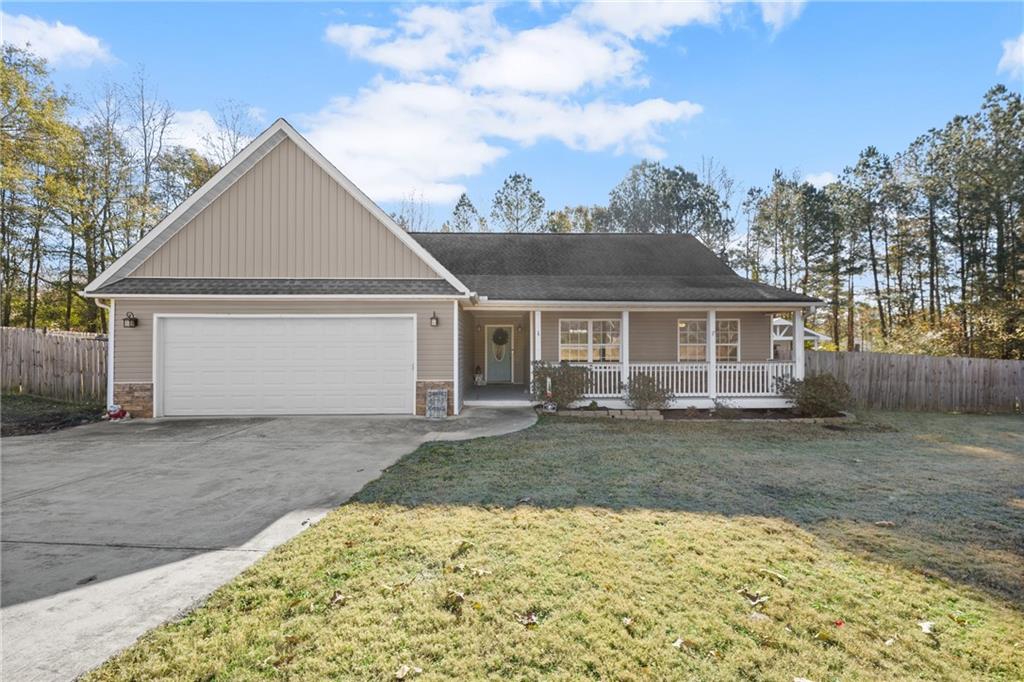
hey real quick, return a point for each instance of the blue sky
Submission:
(434, 99)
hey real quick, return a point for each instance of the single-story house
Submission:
(280, 288)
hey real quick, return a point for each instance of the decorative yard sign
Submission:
(437, 403)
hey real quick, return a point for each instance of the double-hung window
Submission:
(589, 340)
(693, 339)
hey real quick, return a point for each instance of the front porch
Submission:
(702, 356)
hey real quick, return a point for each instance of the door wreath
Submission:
(500, 339)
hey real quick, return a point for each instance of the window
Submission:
(693, 339)
(588, 340)
(727, 341)
(693, 343)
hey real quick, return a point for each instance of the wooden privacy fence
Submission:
(66, 366)
(925, 382)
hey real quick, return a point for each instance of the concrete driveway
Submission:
(111, 529)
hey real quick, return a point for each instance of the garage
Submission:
(284, 364)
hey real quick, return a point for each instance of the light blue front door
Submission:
(499, 354)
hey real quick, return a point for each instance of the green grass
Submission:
(622, 539)
(24, 414)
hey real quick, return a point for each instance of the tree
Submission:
(413, 214)
(572, 219)
(234, 128)
(655, 199)
(517, 206)
(465, 217)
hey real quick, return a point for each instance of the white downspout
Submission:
(712, 355)
(798, 345)
(110, 349)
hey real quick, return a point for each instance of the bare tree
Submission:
(235, 128)
(151, 117)
(414, 214)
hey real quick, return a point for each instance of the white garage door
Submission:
(285, 365)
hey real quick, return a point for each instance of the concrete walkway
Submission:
(111, 529)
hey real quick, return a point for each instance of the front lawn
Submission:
(24, 414)
(887, 549)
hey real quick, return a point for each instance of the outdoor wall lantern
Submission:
(130, 321)
(434, 321)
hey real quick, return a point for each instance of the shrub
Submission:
(643, 392)
(568, 383)
(723, 409)
(821, 395)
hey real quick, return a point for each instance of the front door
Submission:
(499, 353)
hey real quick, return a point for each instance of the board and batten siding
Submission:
(653, 336)
(133, 348)
(285, 217)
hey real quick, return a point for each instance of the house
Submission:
(280, 288)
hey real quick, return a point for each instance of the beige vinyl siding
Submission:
(133, 348)
(653, 335)
(520, 341)
(285, 217)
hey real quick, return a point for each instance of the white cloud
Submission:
(1012, 61)
(426, 38)
(821, 179)
(779, 13)
(649, 20)
(191, 129)
(559, 58)
(397, 137)
(58, 43)
(469, 90)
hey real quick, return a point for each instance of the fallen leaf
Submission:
(926, 626)
(890, 641)
(523, 500)
(839, 623)
(339, 599)
(755, 598)
(462, 549)
(801, 679)
(529, 619)
(453, 601)
(627, 621)
(781, 579)
(480, 572)
(405, 670)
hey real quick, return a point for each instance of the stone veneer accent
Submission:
(136, 399)
(421, 395)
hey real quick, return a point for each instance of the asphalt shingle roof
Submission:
(595, 267)
(278, 287)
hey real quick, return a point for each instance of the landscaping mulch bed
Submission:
(774, 413)
(21, 415)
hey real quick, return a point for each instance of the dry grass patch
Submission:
(640, 551)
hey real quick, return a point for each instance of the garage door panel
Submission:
(273, 365)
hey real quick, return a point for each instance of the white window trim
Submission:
(738, 344)
(703, 344)
(590, 336)
(739, 338)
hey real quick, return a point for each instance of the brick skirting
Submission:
(421, 395)
(136, 399)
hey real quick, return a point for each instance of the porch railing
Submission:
(604, 379)
(750, 378)
(690, 379)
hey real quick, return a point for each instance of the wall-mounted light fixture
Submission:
(130, 321)
(434, 321)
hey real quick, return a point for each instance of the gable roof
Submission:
(235, 169)
(596, 267)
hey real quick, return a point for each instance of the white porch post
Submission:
(712, 356)
(798, 345)
(537, 336)
(624, 349)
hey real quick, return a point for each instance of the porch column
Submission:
(624, 349)
(712, 356)
(798, 344)
(536, 350)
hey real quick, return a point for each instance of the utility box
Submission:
(437, 403)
